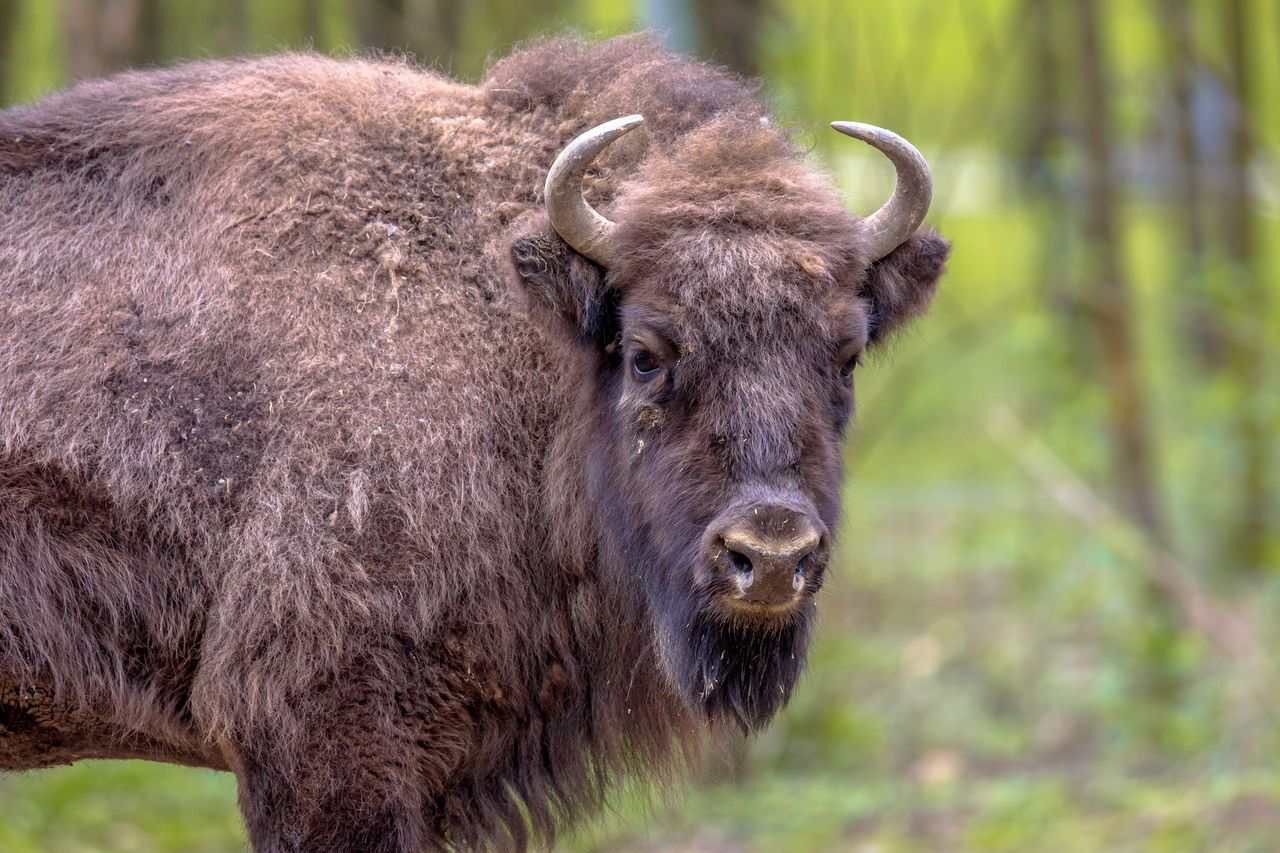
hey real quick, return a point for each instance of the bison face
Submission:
(719, 337)
(721, 384)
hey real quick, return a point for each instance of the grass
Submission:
(131, 806)
(119, 806)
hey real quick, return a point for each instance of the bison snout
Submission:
(768, 555)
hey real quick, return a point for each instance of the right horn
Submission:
(578, 223)
(900, 216)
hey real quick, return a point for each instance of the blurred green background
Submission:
(1050, 624)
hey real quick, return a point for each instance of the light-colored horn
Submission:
(576, 221)
(900, 216)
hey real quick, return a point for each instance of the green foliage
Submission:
(998, 667)
(35, 61)
(119, 806)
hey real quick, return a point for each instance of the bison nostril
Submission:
(741, 563)
(798, 578)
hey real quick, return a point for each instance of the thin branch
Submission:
(1225, 628)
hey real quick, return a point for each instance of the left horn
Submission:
(900, 216)
(577, 222)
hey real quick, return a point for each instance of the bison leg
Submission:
(360, 764)
(337, 796)
(341, 809)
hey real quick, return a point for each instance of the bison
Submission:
(428, 455)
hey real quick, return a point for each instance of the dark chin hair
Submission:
(742, 671)
(738, 670)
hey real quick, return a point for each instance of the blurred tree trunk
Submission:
(1247, 359)
(437, 29)
(1044, 128)
(674, 20)
(729, 33)
(312, 22)
(149, 46)
(1201, 324)
(1109, 310)
(236, 28)
(491, 29)
(430, 29)
(1045, 92)
(724, 31)
(380, 23)
(99, 35)
(1108, 300)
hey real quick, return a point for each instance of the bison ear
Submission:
(567, 285)
(899, 286)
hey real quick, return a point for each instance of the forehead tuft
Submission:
(731, 176)
(732, 214)
(757, 289)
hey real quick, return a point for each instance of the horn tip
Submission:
(617, 127)
(626, 123)
(857, 129)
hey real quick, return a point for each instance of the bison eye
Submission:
(644, 365)
(846, 370)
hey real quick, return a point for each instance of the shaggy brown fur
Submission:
(298, 480)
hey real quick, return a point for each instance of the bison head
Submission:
(720, 316)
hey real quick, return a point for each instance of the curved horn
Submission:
(900, 216)
(576, 221)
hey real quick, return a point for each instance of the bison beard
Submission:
(742, 672)
(725, 667)
(337, 454)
